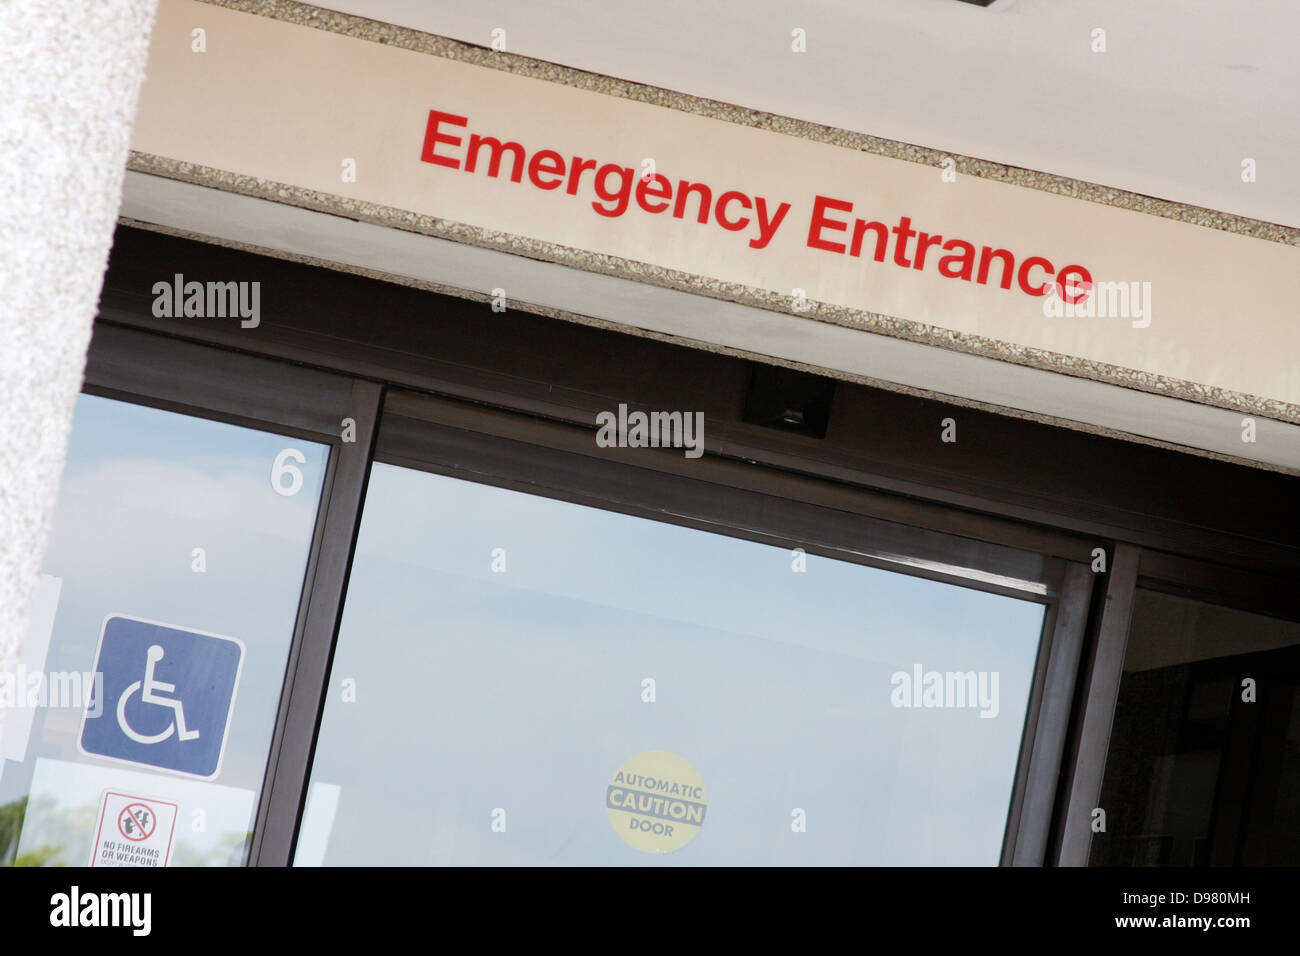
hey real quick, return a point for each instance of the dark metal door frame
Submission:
(561, 459)
(1132, 568)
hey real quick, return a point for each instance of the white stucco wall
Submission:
(71, 72)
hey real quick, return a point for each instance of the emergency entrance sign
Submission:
(168, 696)
(133, 831)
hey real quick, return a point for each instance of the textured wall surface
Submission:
(71, 72)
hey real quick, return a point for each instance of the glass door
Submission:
(144, 709)
(678, 674)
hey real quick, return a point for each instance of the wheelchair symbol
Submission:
(149, 688)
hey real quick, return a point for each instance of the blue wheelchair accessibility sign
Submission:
(168, 696)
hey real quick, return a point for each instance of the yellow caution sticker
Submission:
(656, 802)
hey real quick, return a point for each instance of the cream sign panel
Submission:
(510, 154)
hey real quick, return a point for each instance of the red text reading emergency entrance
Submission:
(830, 227)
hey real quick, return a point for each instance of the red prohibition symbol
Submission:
(136, 822)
